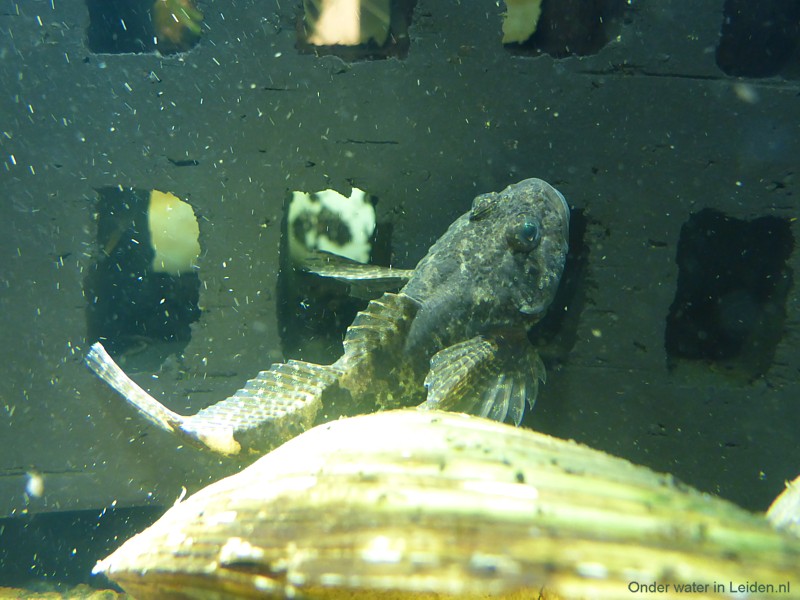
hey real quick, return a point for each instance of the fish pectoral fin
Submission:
(271, 408)
(481, 377)
(503, 395)
(457, 369)
(365, 281)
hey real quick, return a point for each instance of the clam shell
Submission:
(431, 504)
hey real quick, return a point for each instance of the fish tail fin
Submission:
(271, 408)
(99, 361)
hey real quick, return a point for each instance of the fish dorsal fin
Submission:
(377, 336)
(383, 325)
(365, 281)
(483, 377)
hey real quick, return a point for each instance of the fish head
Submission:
(497, 268)
(529, 242)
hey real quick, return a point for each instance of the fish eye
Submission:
(524, 236)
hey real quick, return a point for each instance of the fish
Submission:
(454, 337)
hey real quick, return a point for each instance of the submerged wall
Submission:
(640, 134)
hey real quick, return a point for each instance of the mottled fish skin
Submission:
(496, 269)
(453, 338)
(465, 314)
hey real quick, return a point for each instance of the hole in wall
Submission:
(730, 304)
(355, 29)
(144, 289)
(314, 312)
(759, 39)
(138, 26)
(560, 27)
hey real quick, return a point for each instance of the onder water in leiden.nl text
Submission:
(729, 587)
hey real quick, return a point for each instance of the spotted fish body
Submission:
(454, 337)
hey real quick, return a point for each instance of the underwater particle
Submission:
(174, 234)
(520, 20)
(746, 92)
(176, 24)
(34, 486)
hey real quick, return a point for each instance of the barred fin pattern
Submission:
(99, 361)
(456, 369)
(480, 377)
(271, 408)
(505, 396)
(383, 324)
(345, 270)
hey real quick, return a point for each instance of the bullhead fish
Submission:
(454, 337)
